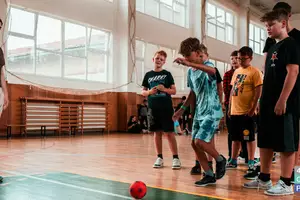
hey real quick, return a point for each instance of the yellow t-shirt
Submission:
(244, 81)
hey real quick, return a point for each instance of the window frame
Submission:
(160, 3)
(261, 40)
(217, 23)
(62, 53)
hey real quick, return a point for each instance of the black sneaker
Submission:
(251, 174)
(206, 180)
(293, 178)
(196, 170)
(221, 168)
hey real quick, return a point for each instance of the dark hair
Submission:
(283, 5)
(1, 22)
(234, 53)
(162, 53)
(145, 100)
(190, 45)
(246, 51)
(183, 98)
(278, 14)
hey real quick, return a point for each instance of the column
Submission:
(243, 23)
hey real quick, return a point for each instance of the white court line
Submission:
(67, 185)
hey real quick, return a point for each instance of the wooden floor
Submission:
(118, 158)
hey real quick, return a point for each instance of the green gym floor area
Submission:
(65, 186)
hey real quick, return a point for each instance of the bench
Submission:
(62, 115)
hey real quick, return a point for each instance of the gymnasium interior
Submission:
(74, 72)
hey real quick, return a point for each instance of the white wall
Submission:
(296, 21)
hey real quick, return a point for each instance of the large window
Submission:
(222, 66)
(173, 11)
(257, 38)
(144, 63)
(220, 24)
(47, 46)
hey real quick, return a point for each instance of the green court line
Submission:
(62, 186)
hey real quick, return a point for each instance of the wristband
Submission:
(183, 107)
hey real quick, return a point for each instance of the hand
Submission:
(177, 115)
(251, 112)
(229, 113)
(182, 61)
(161, 87)
(280, 107)
(6, 102)
(153, 91)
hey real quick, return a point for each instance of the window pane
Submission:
(211, 30)
(263, 34)
(45, 40)
(178, 82)
(221, 17)
(229, 34)
(229, 19)
(139, 49)
(257, 34)
(257, 48)
(97, 66)
(48, 64)
(166, 13)
(221, 68)
(140, 5)
(181, 1)
(211, 10)
(75, 39)
(221, 34)
(251, 45)
(251, 31)
(151, 8)
(179, 14)
(21, 21)
(75, 67)
(262, 46)
(98, 39)
(168, 2)
(20, 55)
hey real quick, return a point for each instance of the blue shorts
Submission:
(205, 128)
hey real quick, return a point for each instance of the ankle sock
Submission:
(287, 181)
(264, 177)
(175, 156)
(197, 163)
(160, 156)
(209, 173)
(233, 161)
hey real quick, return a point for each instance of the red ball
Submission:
(138, 189)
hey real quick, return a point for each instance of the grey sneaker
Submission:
(280, 189)
(176, 164)
(258, 184)
(159, 163)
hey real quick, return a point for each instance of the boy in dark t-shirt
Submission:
(279, 117)
(158, 86)
(293, 33)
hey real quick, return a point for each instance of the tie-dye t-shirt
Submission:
(205, 88)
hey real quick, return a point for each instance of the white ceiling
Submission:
(267, 5)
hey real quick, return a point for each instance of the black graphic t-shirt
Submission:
(279, 56)
(153, 79)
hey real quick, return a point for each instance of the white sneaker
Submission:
(280, 189)
(258, 184)
(176, 164)
(159, 163)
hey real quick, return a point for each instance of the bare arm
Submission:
(171, 90)
(220, 91)
(207, 69)
(257, 95)
(289, 83)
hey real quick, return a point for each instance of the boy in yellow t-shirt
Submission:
(246, 90)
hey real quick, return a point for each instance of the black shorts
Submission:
(280, 133)
(242, 128)
(160, 119)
